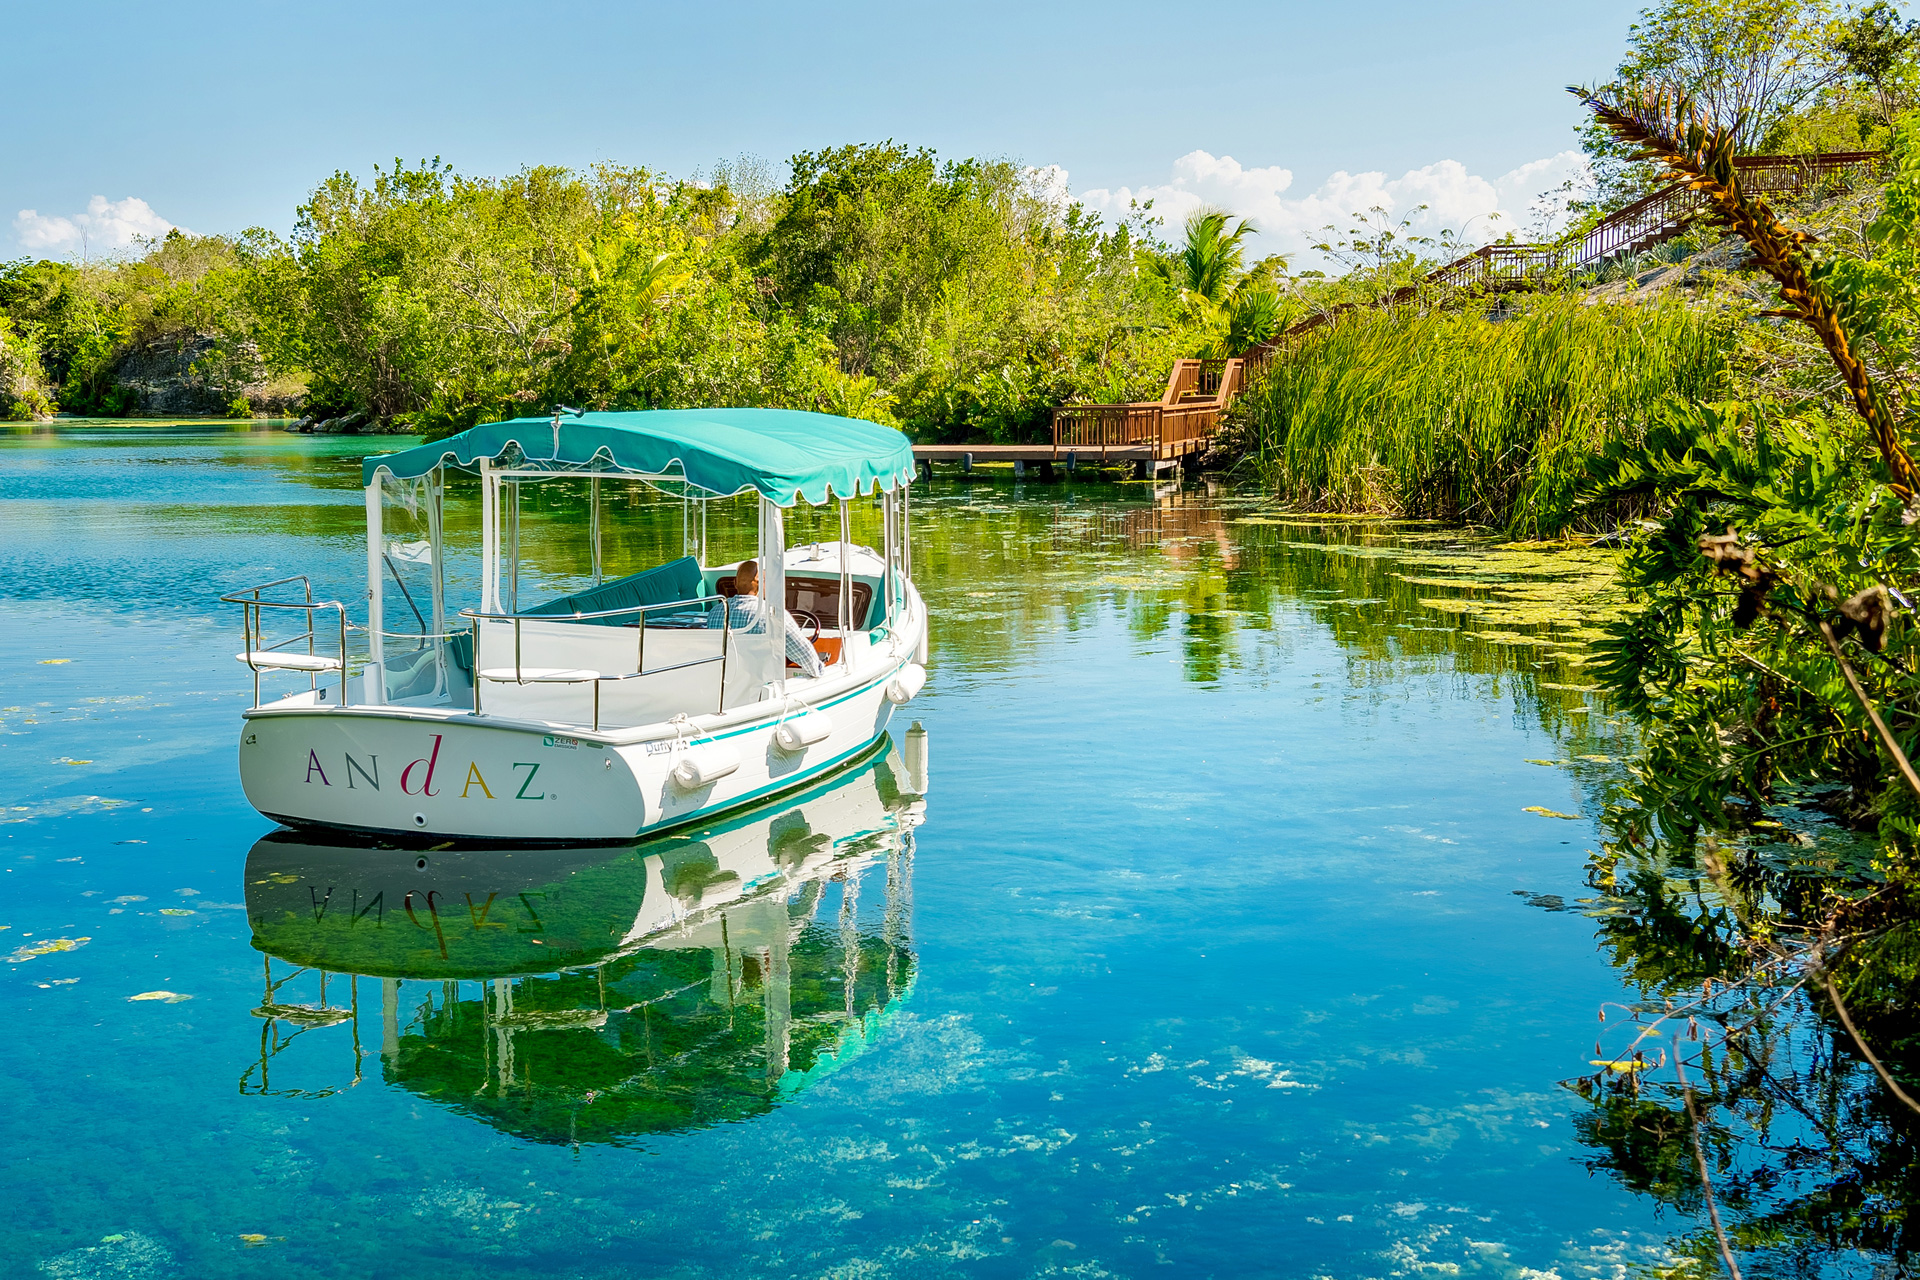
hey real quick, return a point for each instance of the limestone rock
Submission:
(187, 375)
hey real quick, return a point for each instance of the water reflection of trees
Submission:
(595, 995)
(1229, 582)
(1730, 1086)
(1810, 1159)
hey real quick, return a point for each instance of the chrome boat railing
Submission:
(261, 656)
(520, 673)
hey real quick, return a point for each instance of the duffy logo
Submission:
(417, 778)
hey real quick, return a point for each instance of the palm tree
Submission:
(1236, 307)
(1210, 260)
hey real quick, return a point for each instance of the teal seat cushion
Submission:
(676, 580)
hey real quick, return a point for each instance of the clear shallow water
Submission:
(1210, 957)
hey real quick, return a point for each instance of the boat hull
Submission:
(438, 776)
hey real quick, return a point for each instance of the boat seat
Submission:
(539, 675)
(288, 661)
(674, 581)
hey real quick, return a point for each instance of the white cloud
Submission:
(106, 227)
(1475, 208)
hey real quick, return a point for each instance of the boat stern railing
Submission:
(522, 673)
(283, 655)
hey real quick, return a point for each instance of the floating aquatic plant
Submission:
(47, 948)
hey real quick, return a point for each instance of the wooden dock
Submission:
(1050, 459)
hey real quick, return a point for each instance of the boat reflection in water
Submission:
(597, 995)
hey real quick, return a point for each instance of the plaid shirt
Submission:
(746, 616)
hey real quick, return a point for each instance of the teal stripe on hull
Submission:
(814, 780)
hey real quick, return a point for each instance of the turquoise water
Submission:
(1220, 949)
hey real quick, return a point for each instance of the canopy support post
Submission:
(773, 587)
(846, 585)
(513, 546)
(374, 677)
(489, 539)
(593, 490)
(884, 500)
(436, 539)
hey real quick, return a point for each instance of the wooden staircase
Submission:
(1180, 424)
(1649, 221)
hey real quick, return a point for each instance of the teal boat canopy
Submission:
(786, 454)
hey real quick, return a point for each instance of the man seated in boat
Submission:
(744, 610)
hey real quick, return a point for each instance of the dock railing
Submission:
(1182, 422)
(1648, 221)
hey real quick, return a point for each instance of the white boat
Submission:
(636, 705)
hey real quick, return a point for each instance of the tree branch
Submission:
(1860, 695)
(1664, 128)
(1833, 994)
(1700, 1162)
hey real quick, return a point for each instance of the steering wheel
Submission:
(807, 616)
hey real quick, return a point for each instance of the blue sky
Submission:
(215, 117)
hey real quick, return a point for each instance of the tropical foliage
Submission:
(1784, 77)
(960, 299)
(1232, 306)
(1772, 676)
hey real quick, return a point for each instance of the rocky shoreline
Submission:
(188, 375)
(358, 423)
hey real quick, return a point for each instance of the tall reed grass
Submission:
(1459, 416)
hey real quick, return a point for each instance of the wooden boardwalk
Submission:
(1049, 459)
(1151, 435)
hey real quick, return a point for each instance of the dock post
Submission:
(1140, 469)
(1019, 468)
(1046, 471)
(966, 463)
(926, 469)
(1072, 456)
